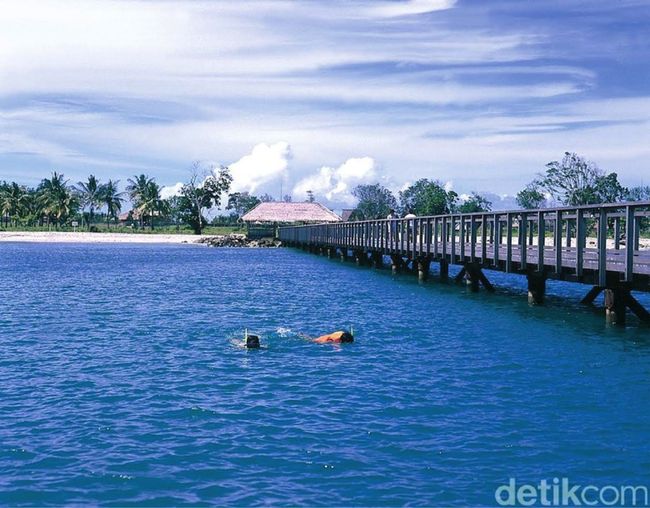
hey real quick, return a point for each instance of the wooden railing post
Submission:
(602, 247)
(557, 240)
(497, 239)
(523, 248)
(509, 243)
(580, 241)
(630, 231)
(453, 239)
(541, 241)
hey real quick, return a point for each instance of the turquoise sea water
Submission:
(121, 383)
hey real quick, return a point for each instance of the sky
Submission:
(324, 95)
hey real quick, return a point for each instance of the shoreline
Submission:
(86, 237)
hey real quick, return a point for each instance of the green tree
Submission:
(427, 197)
(113, 199)
(242, 202)
(375, 202)
(475, 203)
(202, 193)
(640, 193)
(574, 181)
(13, 201)
(90, 195)
(56, 199)
(531, 198)
(137, 189)
(145, 197)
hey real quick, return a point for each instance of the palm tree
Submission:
(90, 195)
(56, 199)
(145, 196)
(137, 189)
(13, 201)
(113, 200)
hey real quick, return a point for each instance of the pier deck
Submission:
(598, 245)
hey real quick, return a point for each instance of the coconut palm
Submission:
(90, 195)
(13, 201)
(56, 199)
(137, 189)
(145, 196)
(112, 198)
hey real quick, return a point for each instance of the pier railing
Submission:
(585, 243)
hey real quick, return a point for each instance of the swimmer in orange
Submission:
(334, 338)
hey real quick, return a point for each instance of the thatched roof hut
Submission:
(290, 213)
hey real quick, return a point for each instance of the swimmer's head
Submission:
(347, 337)
(252, 341)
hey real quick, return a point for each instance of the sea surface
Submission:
(123, 382)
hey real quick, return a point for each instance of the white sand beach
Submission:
(85, 237)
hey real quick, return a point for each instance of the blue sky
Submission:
(323, 95)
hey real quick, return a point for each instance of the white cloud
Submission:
(393, 9)
(265, 164)
(336, 184)
(171, 191)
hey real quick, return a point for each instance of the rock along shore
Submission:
(238, 240)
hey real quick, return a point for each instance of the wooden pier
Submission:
(597, 245)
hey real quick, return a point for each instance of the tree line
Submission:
(55, 201)
(573, 181)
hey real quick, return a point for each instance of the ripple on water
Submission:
(121, 382)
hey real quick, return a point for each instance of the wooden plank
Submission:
(484, 239)
(602, 248)
(497, 239)
(541, 240)
(435, 237)
(445, 230)
(580, 241)
(630, 229)
(452, 238)
(509, 243)
(558, 241)
(461, 236)
(523, 250)
(472, 239)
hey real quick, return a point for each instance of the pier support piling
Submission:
(377, 259)
(536, 288)
(617, 300)
(444, 270)
(396, 263)
(615, 306)
(592, 295)
(473, 275)
(360, 258)
(423, 265)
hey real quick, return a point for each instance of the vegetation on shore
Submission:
(573, 181)
(95, 206)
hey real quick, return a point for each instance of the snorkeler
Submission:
(332, 338)
(251, 341)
